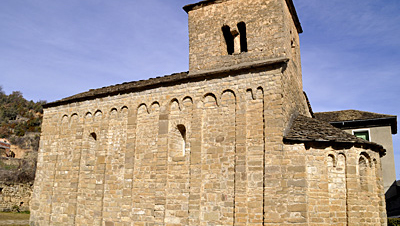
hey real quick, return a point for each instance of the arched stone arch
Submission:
(363, 171)
(337, 188)
(259, 93)
(75, 115)
(210, 100)
(155, 107)
(182, 130)
(331, 160)
(146, 150)
(187, 103)
(228, 97)
(250, 94)
(228, 91)
(98, 113)
(367, 157)
(88, 115)
(74, 119)
(174, 105)
(341, 161)
(64, 119)
(177, 141)
(187, 99)
(219, 149)
(124, 111)
(142, 108)
(113, 113)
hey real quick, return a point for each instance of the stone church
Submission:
(231, 142)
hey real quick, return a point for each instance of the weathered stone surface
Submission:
(204, 148)
(15, 196)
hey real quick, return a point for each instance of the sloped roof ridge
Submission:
(119, 88)
(306, 129)
(167, 80)
(349, 115)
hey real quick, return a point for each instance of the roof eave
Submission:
(169, 80)
(392, 121)
(373, 146)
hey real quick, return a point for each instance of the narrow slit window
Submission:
(93, 136)
(226, 30)
(363, 173)
(235, 39)
(182, 131)
(243, 39)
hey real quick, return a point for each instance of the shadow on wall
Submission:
(393, 200)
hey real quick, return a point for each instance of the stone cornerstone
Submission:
(231, 142)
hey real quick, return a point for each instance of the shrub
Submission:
(394, 222)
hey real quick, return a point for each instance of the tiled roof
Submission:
(357, 119)
(167, 80)
(348, 115)
(119, 89)
(305, 129)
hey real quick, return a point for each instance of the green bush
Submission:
(394, 222)
(18, 115)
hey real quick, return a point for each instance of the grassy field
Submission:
(7, 217)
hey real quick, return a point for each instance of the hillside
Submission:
(19, 117)
(20, 124)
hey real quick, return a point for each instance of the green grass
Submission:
(14, 216)
(6, 167)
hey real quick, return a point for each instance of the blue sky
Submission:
(51, 49)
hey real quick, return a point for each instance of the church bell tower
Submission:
(226, 33)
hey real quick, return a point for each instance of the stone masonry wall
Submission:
(123, 159)
(201, 153)
(207, 150)
(292, 86)
(266, 35)
(338, 186)
(16, 184)
(15, 196)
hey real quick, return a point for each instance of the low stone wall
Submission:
(15, 196)
(16, 184)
